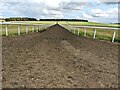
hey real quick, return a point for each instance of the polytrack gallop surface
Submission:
(56, 58)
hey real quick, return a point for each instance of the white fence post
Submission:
(114, 36)
(26, 28)
(6, 30)
(94, 34)
(85, 32)
(18, 29)
(34, 28)
(40, 28)
(78, 31)
(37, 28)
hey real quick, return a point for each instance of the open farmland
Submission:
(89, 24)
(35, 22)
(57, 58)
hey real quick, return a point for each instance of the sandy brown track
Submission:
(57, 58)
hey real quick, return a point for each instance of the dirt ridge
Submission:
(57, 58)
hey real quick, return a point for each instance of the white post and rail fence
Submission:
(39, 27)
(33, 27)
(77, 28)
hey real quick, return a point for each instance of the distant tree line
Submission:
(116, 23)
(81, 20)
(20, 19)
(34, 19)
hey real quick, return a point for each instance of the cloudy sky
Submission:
(93, 10)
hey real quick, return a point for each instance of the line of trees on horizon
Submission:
(34, 19)
(20, 19)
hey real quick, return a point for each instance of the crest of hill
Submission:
(57, 32)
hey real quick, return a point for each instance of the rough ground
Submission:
(57, 58)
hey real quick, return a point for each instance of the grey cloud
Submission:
(72, 5)
(109, 2)
(32, 8)
(95, 16)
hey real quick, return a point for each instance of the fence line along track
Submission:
(39, 27)
(69, 26)
(34, 27)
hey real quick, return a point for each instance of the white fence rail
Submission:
(35, 27)
(38, 27)
(91, 27)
